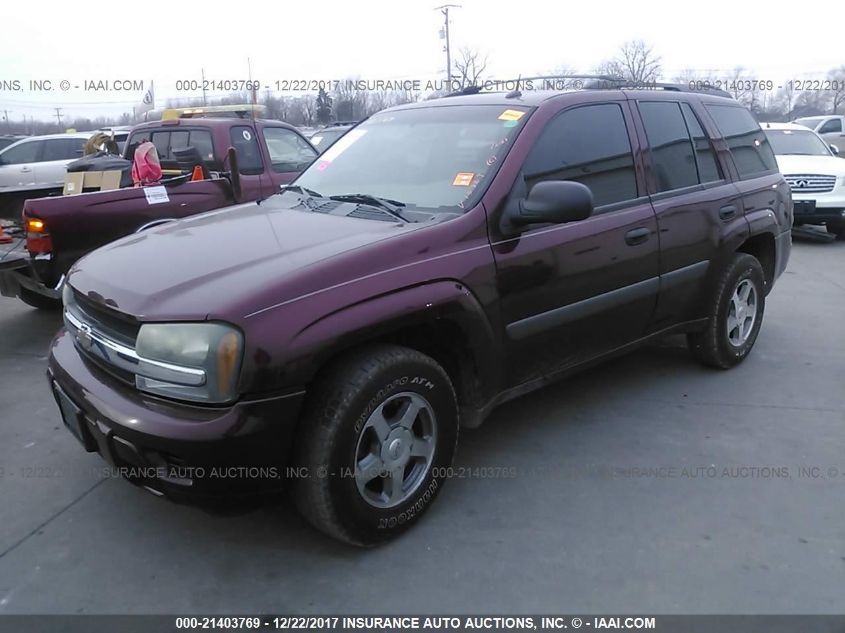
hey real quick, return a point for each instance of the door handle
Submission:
(637, 236)
(25, 170)
(727, 212)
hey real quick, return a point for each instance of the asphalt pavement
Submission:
(646, 485)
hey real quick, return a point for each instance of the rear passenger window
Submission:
(671, 148)
(590, 145)
(246, 145)
(56, 149)
(749, 146)
(708, 168)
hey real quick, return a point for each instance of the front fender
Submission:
(444, 304)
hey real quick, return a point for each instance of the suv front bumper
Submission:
(827, 208)
(187, 453)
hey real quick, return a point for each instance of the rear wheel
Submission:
(379, 432)
(736, 315)
(41, 302)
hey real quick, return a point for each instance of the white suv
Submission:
(814, 173)
(39, 162)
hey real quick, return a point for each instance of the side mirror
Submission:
(553, 201)
(834, 149)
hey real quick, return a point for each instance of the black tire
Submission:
(713, 347)
(41, 302)
(334, 425)
(837, 229)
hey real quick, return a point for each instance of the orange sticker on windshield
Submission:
(463, 179)
(511, 115)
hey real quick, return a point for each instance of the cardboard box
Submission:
(80, 181)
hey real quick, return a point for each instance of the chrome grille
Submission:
(109, 341)
(811, 183)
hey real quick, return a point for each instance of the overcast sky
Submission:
(384, 39)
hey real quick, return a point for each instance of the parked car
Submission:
(441, 258)
(815, 175)
(39, 162)
(830, 128)
(62, 229)
(8, 139)
(323, 139)
(326, 137)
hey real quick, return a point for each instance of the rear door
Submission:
(569, 292)
(56, 154)
(696, 205)
(17, 164)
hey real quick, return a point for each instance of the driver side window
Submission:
(590, 145)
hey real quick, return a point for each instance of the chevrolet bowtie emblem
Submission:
(83, 336)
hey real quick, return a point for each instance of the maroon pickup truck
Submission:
(61, 229)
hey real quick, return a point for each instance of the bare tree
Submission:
(837, 78)
(636, 62)
(469, 67)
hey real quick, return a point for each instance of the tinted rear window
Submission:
(749, 146)
(671, 148)
(705, 158)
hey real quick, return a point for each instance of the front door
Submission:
(572, 291)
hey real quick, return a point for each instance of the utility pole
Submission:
(6, 119)
(58, 116)
(444, 34)
(202, 71)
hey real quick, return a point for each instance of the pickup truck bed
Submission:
(260, 156)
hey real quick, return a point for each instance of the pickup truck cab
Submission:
(62, 229)
(831, 128)
(439, 259)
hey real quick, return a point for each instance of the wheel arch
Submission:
(442, 319)
(762, 246)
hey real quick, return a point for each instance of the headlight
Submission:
(189, 361)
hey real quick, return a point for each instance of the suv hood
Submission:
(226, 263)
(829, 165)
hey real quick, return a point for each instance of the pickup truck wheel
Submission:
(380, 430)
(41, 302)
(737, 313)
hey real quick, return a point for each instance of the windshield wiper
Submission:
(391, 206)
(300, 189)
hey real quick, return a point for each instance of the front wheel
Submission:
(736, 314)
(378, 436)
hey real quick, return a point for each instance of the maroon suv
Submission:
(439, 259)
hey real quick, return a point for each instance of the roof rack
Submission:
(588, 82)
(242, 111)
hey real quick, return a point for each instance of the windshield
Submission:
(792, 142)
(436, 157)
